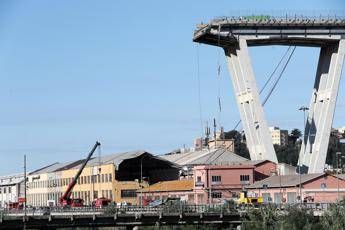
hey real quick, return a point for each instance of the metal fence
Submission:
(165, 209)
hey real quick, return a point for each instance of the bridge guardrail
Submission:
(164, 209)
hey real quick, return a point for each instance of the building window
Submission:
(198, 179)
(216, 179)
(102, 178)
(106, 177)
(110, 177)
(216, 195)
(128, 193)
(244, 179)
(9, 189)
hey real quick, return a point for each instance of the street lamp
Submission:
(141, 180)
(302, 108)
(337, 159)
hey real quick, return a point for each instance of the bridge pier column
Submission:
(259, 141)
(317, 130)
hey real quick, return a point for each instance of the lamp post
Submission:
(25, 184)
(302, 108)
(141, 181)
(337, 159)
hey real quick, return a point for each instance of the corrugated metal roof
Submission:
(341, 176)
(118, 158)
(285, 181)
(174, 185)
(57, 167)
(11, 179)
(215, 156)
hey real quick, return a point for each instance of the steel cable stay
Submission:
(268, 95)
(271, 76)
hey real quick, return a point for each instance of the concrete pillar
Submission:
(317, 131)
(259, 141)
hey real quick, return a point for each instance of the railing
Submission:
(162, 209)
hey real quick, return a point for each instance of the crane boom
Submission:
(65, 199)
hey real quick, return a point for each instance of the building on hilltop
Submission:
(342, 130)
(279, 137)
(218, 142)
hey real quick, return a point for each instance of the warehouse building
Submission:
(116, 177)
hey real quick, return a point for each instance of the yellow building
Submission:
(279, 137)
(43, 185)
(116, 177)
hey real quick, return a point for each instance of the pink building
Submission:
(214, 183)
(210, 183)
(319, 188)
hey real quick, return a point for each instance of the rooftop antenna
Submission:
(215, 131)
(207, 134)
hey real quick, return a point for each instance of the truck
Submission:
(246, 199)
(66, 200)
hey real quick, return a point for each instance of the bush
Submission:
(334, 217)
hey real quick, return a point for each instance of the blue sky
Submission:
(125, 73)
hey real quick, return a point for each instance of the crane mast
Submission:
(66, 200)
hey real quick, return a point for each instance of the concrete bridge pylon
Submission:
(258, 138)
(235, 35)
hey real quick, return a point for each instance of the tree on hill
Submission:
(240, 147)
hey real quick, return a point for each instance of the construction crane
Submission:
(66, 200)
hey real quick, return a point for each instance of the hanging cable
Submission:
(271, 76)
(199, 92)
(280, 76)
(219, 80)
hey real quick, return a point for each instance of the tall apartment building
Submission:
(279, 136)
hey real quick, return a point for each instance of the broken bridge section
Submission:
(235, 35)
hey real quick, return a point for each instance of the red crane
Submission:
(66, 200)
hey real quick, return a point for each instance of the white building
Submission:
(342, 130)
(286, 169)
(11, 189)
(279, 137)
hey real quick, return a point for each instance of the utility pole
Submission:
(24, 191)
(337, 159)
(302, 108)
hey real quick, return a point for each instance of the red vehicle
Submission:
(15, 205)
(101, 202)
(66, 200)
